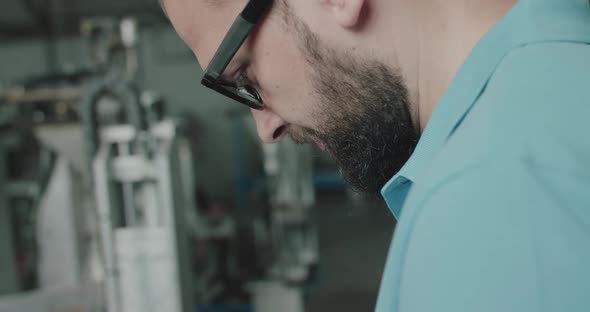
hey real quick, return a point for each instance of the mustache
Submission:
(302, 135)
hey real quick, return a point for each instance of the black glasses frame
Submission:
(233, 40)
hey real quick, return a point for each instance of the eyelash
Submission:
(244, 81)
(243, 78)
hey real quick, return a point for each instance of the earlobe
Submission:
(346, 12)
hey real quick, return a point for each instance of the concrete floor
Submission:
(354, 240)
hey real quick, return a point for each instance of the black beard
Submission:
(364, 113)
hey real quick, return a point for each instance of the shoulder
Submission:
(536, 88)
(501, 220)
(525, 142)
(536, 102)
(541, 80)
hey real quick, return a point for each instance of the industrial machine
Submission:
(101, 215)
(141, 196)
(45, 238)
(19, 196)
(84, 230)
(279, 203)
(292, 197)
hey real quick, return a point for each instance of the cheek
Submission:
(286, 86)
(280, 69)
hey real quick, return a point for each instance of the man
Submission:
(491, 100)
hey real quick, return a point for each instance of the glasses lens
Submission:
(243, 94)
(249, 93)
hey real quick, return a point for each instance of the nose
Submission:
(270, 126)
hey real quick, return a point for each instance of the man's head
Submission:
(321, 80)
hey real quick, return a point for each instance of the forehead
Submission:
(202, 23)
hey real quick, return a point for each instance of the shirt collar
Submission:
(516, 28)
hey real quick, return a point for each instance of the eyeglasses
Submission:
(233, 40)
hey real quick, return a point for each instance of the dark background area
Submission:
(354, 240)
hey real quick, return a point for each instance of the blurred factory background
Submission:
(126, 186)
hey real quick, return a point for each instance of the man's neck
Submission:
(443, 34)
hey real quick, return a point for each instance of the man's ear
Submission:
(346, 12)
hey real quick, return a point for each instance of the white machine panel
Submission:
(146, 267)
(273, 296)
(58, 228)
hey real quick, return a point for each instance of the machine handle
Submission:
(125, 92)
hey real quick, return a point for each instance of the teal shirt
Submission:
(493, 207)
